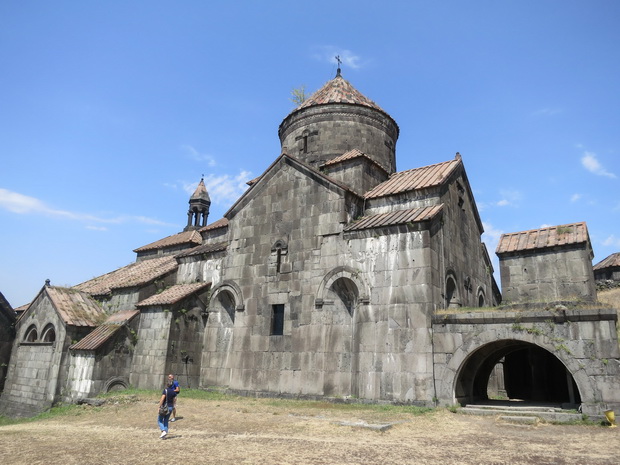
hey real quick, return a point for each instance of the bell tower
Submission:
(199, 204)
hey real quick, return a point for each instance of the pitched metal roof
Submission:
(135, 274)
(172, 295)
(351, 155)
(612, 261)
(338, 90)
(221, 223)
(192, 237)
(74, 307)
(204, 249)
(414, 215)
(552, 236)
(103, 333)
(415, 179)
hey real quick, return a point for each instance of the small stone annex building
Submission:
(608, 269)
(333, 275)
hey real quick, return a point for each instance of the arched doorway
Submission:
(528, 373)
(341, 343)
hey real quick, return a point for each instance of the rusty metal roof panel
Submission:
(173, 295)
(74, 307)
(103, 333)
(415, 179)
(185, 237)
(552, 236)
(221, 223)
(204, 249)
(612, 261)
(414, 215)
(352, 155)
(135, 274)
(97, 338)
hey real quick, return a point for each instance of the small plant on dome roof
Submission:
(298, 95)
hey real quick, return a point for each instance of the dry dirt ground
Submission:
(263, 431)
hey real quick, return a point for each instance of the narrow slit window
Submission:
(277, 320)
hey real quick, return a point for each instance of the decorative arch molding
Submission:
(481, 298)
(233, 289)
(342, 272)
(469, 348)
(452, 295)
(31, 334)
(115, 383)
(49, 333)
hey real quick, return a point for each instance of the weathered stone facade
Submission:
(332, 276)
(7, 336)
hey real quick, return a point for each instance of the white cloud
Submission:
(612, 241)
(575, 197)
(223, 189)
(590, 163)
(21, 204)
(328, 54)
(509, 198)
(24, 204)
(195, 155)
(491, 234)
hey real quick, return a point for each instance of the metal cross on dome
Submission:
(339, 63)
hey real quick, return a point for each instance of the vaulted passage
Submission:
(516, 371)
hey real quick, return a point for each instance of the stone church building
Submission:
(333, 275)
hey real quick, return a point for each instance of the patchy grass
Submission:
(611, 297)
(231, 429)
(53, 413)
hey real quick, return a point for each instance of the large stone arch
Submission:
(337, 274)
(475, 358)
(226, 299)
(339, 295)
(225, 303)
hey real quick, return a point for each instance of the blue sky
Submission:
(111, 112)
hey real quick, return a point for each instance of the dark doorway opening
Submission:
(516, 371)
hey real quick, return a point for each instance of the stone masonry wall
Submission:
(148, 367)
(559, 274)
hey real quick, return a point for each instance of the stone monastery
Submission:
(332, 276)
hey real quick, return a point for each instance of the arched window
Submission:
(452, 295)
(278, 252)
(49, 334)
(226, 304)
(31, 334)
(481, 298)
(345, 294)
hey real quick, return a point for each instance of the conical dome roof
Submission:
(201, 192)
(338, 90)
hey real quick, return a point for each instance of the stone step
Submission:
(518, 408)
(519, 419)
(553, 415)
